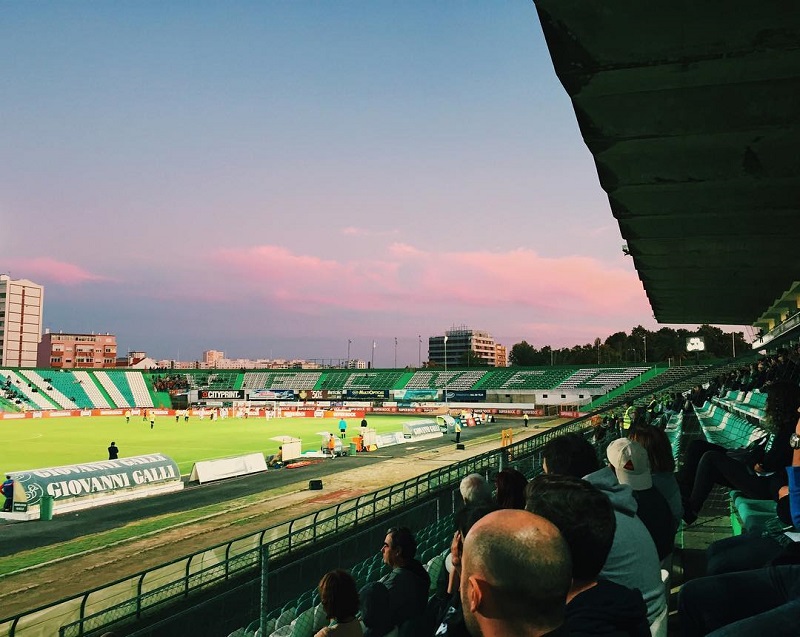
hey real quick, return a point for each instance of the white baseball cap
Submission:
(630, 463)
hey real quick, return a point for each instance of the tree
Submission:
(470, 358)
(522, 355)
(662, 345)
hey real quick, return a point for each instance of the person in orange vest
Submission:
(332, 445)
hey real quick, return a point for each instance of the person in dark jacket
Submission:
(408, 583)
(8, 493)
(586, 520)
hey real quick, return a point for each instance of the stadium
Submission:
(690, 113)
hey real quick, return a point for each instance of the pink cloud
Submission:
(354, 231)
(47, 270)
(410, 282)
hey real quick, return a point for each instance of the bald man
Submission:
(515, 575)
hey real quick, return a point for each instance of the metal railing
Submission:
(146, 593)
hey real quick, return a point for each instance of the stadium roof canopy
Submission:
(692, 113)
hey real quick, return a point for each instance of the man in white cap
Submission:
(631, 465)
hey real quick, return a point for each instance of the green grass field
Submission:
(41, 443)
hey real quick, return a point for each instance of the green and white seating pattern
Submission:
(113, 390)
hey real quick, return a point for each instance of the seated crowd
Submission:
(170, 382)
(586, 547)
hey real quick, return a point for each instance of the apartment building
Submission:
(21, 303)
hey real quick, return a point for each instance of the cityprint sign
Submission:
(220, 394)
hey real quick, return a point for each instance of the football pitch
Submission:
(53, 442)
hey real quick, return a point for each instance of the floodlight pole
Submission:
(395, 352)
(348, 352)
(419, 351)
(445, 370)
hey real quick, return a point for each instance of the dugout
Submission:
(81, 486)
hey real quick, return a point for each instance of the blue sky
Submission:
(275, 178)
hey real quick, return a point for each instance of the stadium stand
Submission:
(222, 380)
(380, 380)
(280, 380)
(293, 617)
(304, 615)
(333, 380)
(7, 404)
(141, 395)
(456, 380)
(76, 398)
(33, 397)
(113, 389)
(13, 396)
(601, 380)
(213, 380)
(525, 379)
(87, 383)
(744, 403)
(726, 429)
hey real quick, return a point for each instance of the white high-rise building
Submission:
(21, 304)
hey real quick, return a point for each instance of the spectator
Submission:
(628, 417)
(475, 490)
(662, 467)
(708, 464)
(8, 493)
(408, 583)
(749, 551)
(764, 601)
(631, 466)
(510, 485)
(276, 460)
(516, 573)
(375, 610)
(445, 607)
(339, 598)
(585, 518)
(633, 560)
(761, 602)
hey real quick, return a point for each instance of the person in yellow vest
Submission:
(627, 418)
(457, 429)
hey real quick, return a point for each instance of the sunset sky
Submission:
(272, 179)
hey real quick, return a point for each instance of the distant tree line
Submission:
(639, 346)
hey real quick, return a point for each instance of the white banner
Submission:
(210, 470)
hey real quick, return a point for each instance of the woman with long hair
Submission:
(662, 466)
(339, 597)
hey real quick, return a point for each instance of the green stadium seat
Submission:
(303, 626)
